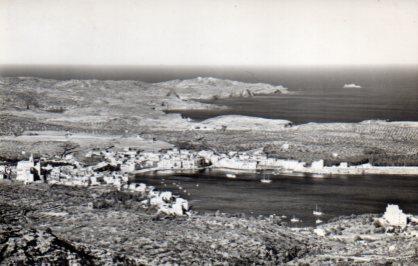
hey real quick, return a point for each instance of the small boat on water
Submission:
(318, 221)
(294, 220)
(317, 212)
(231, 175)
(265, 180)
(351, 86)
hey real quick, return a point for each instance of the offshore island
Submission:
(70, 151)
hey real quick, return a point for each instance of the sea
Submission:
(318, 95)
(291, 195)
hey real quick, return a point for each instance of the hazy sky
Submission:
(212, 32)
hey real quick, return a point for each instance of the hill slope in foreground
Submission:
(100, 225)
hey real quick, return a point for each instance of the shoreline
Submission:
(86, 138)
(161, 156)
(331, 172)
(108, 222)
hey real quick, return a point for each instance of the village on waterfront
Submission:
(118, 168)
(129, 161)
(104, 171)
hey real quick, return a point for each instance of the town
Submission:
(117, 168)
(114, 167)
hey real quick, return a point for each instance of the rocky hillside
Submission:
(111, 105)
(213, 88)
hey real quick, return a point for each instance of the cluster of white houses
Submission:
(114, 166)
(113, 171)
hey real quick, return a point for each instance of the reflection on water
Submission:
(292, 195)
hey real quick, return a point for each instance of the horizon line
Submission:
(201, 66)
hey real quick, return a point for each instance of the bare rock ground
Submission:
(35, 247)
(100, 225)
(361, 240)
(109, 225)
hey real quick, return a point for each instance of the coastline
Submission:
(109, 222)
(161, 156)
(323, 171)
(87, 141)
(138, 110)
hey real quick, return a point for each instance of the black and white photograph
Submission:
(208, 132)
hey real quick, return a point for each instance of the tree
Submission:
(28, 99)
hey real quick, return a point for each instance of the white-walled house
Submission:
(2, 171)
(169, 164)
(395, 216)
(343, 165)
(128, 166)
(317, 164)
(24, 168)
(235, 163)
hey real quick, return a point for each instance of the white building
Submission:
(343, 165)
(235, 163)
(285, 147)
(128, 166)
(170, 164)
(2, 171)
(395, 216)
(24, 168)
(285, 164)
(189, 164)
(317, 164)
(205, 154)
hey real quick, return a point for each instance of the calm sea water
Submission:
(292, 195)
(386, 94)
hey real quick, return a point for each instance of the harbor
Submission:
(290, 195)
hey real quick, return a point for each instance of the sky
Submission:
(212, 32)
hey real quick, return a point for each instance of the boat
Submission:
(317, 212)
(351, 86)
(318, 221)
(231, 175)
(265, 180)
(294, 220)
